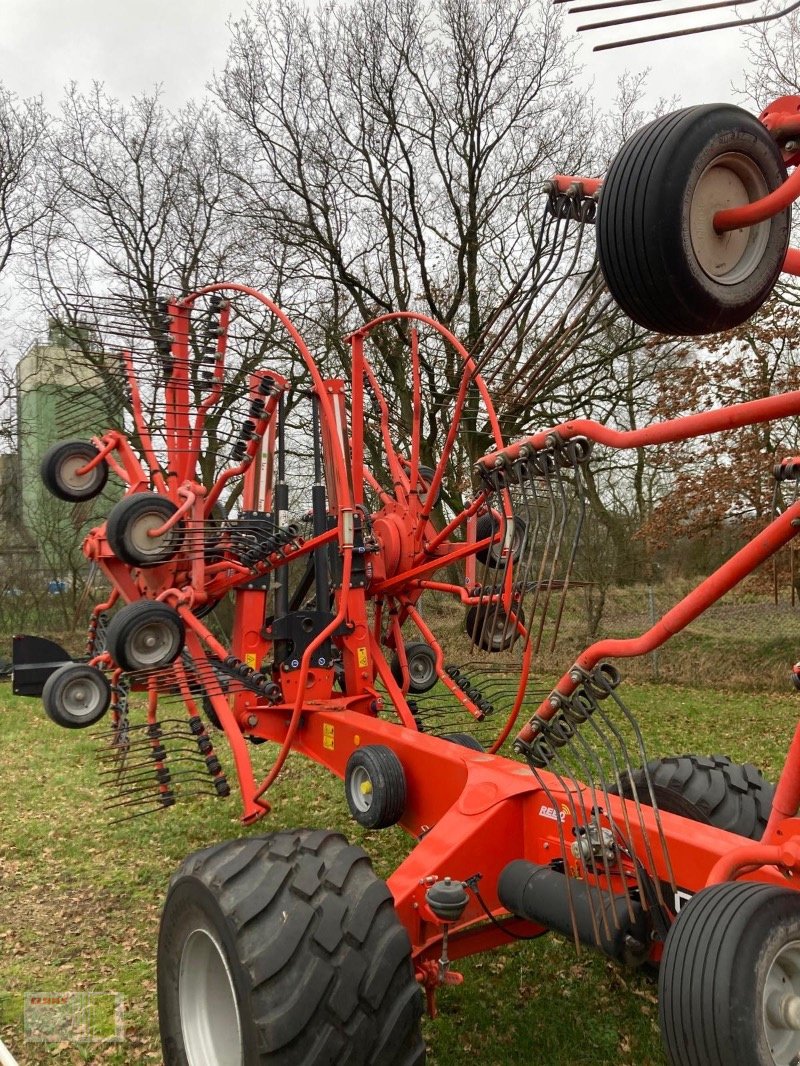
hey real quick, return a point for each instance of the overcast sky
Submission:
(132, 44)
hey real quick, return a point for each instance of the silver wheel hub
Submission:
(730, 180)
(781, 1005)
(152, 643)
(81, 698)
(421, 670)
(69, 477)
(139, 534)
(209, 1011)
(361, 789)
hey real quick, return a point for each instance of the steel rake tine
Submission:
(689, 31)
(649, 15)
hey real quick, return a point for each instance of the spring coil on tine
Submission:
(573, 711)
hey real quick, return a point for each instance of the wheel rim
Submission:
(422, 671)
(361, 789)
(492, 629)
(781, 1005)
(730, 180)
(210, 1023)
(81, 698)
(141, 542)
(153, 644)
(70, 478)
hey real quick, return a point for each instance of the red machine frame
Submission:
(471, 813)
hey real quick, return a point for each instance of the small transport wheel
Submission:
(129, 525)
(421, 659)
(488, 525)
(665, 264)
(465, 740)
(375, 786)
(490, 628)
(59, 471)
(729, 984)
(712, 790)
(426, 474)
(145, 635)
(285, 950)
(76, 695)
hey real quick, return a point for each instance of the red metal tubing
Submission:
(759, 210)
(786, 801)
(791, 264)
(736, 415)
(588, 186)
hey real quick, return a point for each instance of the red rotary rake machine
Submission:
(285, 948)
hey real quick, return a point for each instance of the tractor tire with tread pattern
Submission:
(708, 789)
(319, 962)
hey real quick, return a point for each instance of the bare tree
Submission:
(773, 51)
(139, 214)
(396, 151)
(23, 125)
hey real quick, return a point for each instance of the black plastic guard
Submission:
(34, 660)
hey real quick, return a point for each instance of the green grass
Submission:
(80, 899)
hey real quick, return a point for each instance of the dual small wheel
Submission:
(63, 471)
(662, 259)
(76, 696)
(131, 524)
(285, 950)
(145, 635)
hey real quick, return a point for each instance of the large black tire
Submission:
(58, 471)
(421, 660)
(731, 959)
(375, 786)
(301, 942)
(708, 789)
(145, 635)
(662, 260)
(129, 522)
(76, 695)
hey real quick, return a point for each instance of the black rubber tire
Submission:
(487, 525)
(501, 637)
(421, 656)
(465, 740)
(57, 469)
(644, 241)
(130, 626)
(708, 789)
(76, 684)
(427, 474)
(379, 768)
(714, 970)
(319, 962)
(128, 521)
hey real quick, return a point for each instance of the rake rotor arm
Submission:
(737, 415)
(778, 533)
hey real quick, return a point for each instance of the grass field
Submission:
(80, 900)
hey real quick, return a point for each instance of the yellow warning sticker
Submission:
(363, 659)
(327, 736)
(250, 660)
